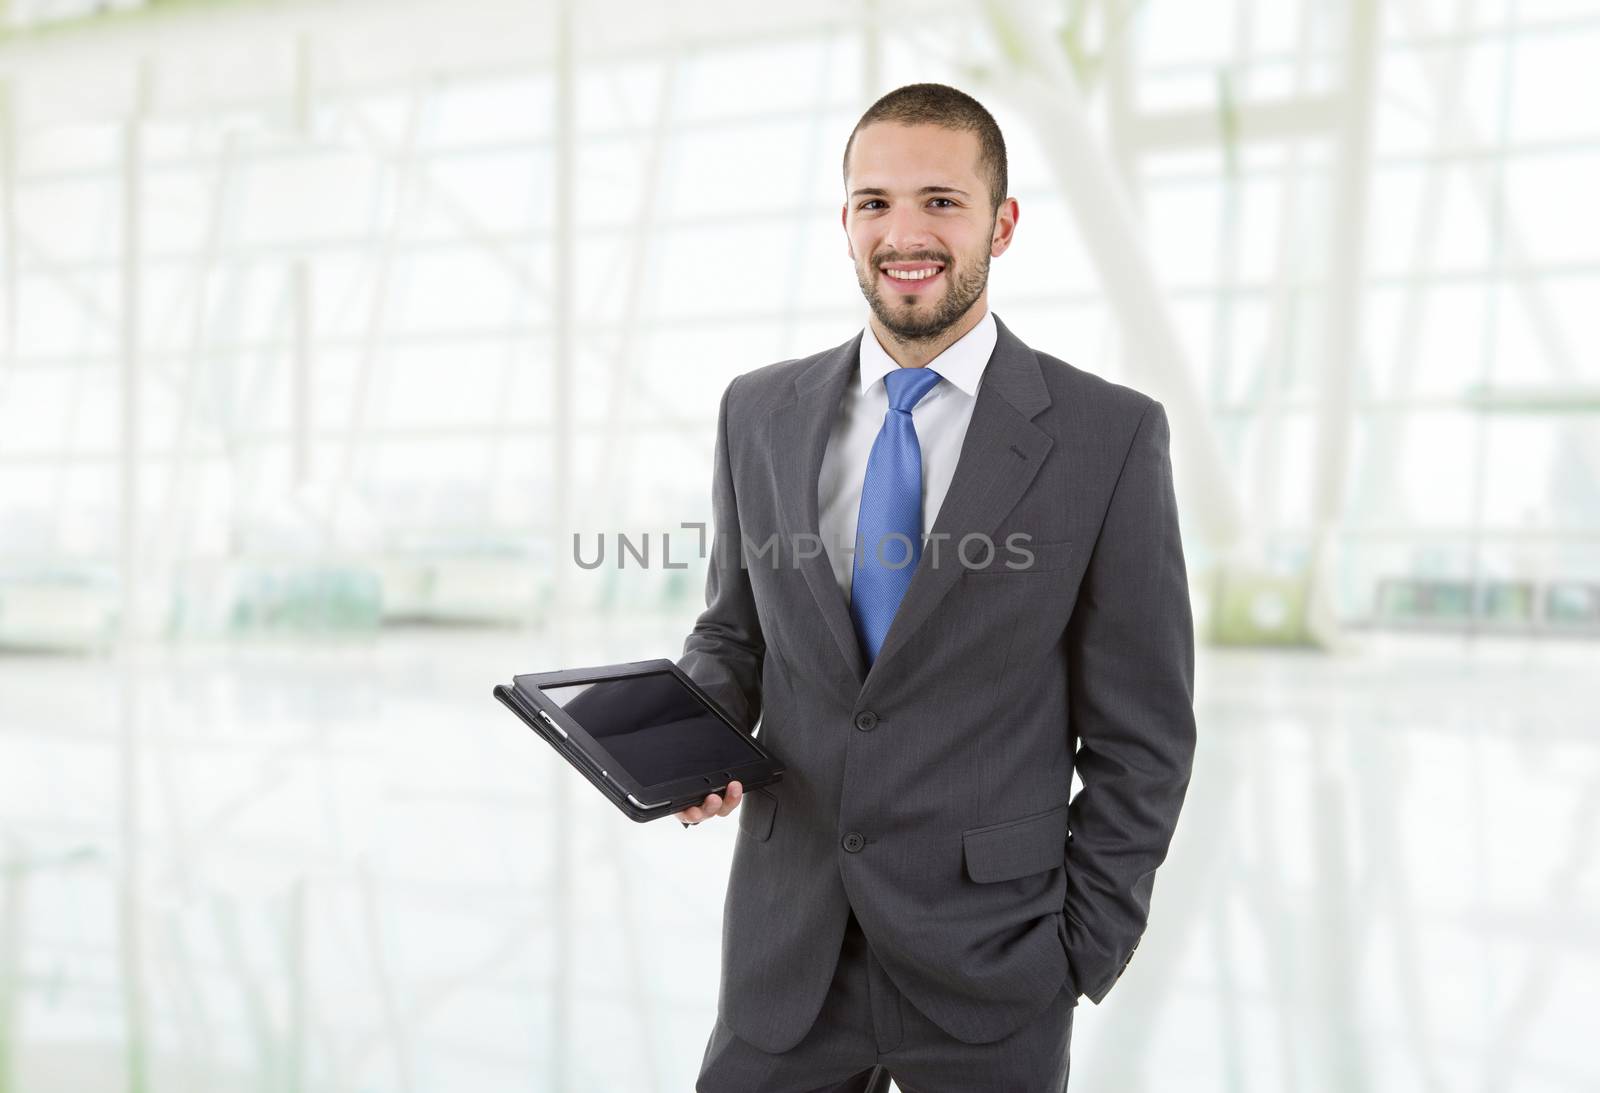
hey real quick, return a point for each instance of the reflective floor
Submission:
(344, 866)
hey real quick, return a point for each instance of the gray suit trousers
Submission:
(866, 1021)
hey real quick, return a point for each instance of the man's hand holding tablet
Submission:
(713, 805)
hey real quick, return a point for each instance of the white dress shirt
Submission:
(940, 418)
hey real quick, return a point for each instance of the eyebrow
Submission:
(877, 192)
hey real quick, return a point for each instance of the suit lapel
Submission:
(797, 439)
(1000, 455)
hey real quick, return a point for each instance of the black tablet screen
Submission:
(654, 727)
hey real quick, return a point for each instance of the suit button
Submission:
(854, 841)
(866, 720)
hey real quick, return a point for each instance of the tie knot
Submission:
(908, 385)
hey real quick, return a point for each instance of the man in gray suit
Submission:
(946, 573)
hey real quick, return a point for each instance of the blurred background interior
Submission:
(324, 328)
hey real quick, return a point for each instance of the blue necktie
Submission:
(891, 508)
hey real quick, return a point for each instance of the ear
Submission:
(1005, 227)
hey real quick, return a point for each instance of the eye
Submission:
(878, 201)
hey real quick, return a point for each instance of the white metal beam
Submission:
(1259, 121)
(1341, 344)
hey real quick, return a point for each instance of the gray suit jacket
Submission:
(931, 793)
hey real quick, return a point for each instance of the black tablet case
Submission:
(547, 719)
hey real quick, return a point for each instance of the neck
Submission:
(916, 353)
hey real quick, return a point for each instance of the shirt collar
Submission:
(962, 362)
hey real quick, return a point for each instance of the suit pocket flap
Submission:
(755, 813)
(1015, 848)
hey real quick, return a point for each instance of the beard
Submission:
(925, 320)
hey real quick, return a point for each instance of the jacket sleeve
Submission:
(1130, 656)
(724, 652)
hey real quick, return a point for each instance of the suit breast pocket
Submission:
(1023, 558)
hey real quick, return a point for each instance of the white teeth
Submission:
(911, 275)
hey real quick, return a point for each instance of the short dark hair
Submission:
(942, 105)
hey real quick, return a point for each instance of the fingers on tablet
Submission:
(714, 805)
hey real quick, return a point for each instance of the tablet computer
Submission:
(644, 734)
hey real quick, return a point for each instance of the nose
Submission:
(906, 232)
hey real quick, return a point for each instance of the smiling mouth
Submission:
(911, 278)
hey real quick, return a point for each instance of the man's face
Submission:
(915, 202)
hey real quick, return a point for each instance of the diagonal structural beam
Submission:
(1037, 81)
